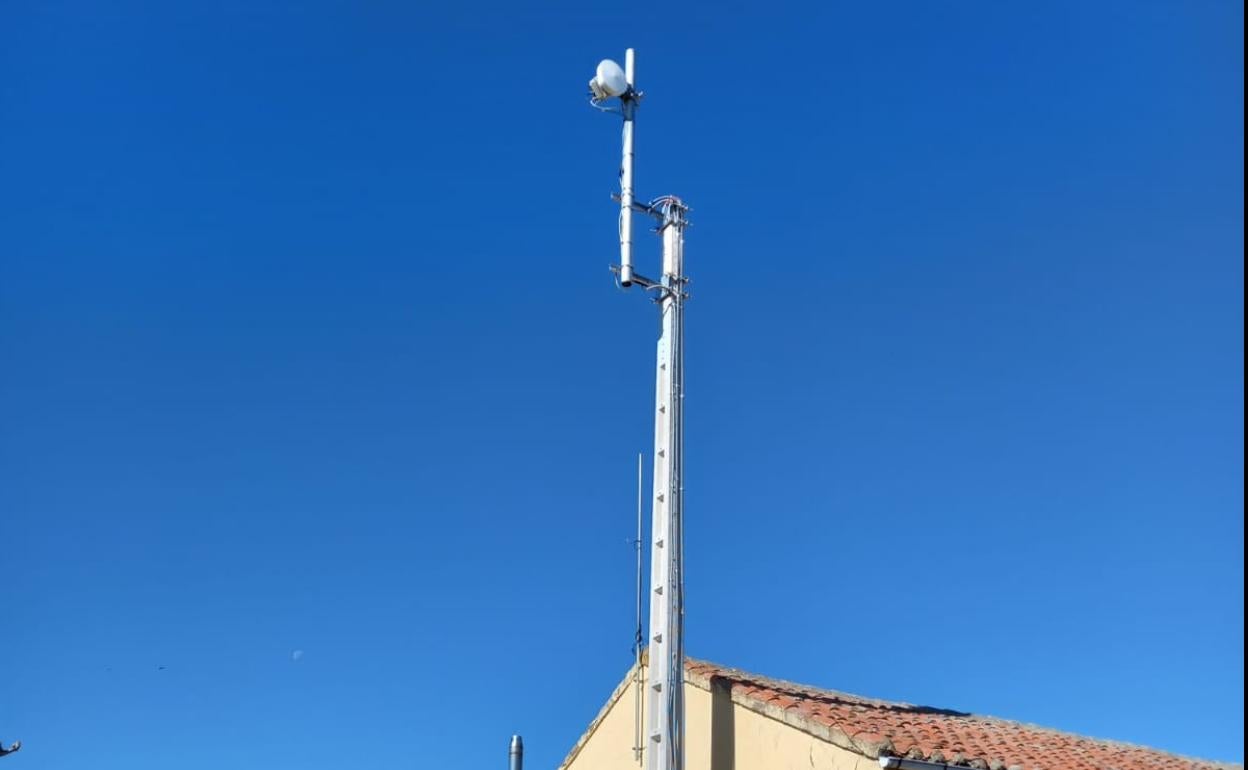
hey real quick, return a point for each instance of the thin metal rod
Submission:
(639, 638)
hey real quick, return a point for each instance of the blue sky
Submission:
(309, 344)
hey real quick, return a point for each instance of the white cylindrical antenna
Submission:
(629, 106)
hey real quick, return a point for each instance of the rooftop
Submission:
(876, 728)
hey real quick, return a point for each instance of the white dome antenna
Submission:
(608, 81)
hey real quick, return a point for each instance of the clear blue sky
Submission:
(308, 343)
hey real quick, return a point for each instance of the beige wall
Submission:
(719, 735)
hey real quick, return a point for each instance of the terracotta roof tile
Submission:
(875, 727)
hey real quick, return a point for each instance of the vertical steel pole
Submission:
(665, 690)
(628, 105)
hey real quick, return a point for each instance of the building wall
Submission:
(719, 735)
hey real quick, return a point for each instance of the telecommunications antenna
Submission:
(614, 89)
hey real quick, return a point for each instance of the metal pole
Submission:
(516, 753)
(665, 701)
(628, 105)
(665, 670)
(640, 638)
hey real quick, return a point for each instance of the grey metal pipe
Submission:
(516, 753)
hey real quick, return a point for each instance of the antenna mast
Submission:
(665, 707)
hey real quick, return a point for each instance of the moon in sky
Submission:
(296, 655)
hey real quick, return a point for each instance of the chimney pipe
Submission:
(516, 753)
